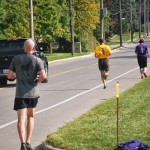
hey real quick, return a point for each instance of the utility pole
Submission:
(71, 27)
(31, 19)
(144, 17)
(101, 20)
(120, 20)
(131, 22)
(140, 18)
(147, 18)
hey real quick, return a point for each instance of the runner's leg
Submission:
(21, 124)
(30, 123)
(102, 77)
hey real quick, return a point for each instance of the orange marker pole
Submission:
(117, 96)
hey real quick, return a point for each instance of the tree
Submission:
(51, 19)
(46, 19)
(15, 18)
(113, 7)
(86, 16)
(2, 15)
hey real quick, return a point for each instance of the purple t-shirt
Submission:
(141, 50)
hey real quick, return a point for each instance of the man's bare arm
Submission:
(42, 76)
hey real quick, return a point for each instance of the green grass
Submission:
(96, 130)
(125, 37)
(56, 56)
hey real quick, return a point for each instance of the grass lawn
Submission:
(56, 56)
(96, 130)
(125, 37)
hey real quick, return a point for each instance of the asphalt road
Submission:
(74, 87)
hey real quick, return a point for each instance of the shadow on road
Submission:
(8, 85)
(118, 57)
(44, 146)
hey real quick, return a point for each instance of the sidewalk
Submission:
(128, 43)
(124, 44)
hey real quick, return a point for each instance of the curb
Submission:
(71, 58)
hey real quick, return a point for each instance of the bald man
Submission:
(25, 68)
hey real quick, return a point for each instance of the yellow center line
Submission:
(68, 71)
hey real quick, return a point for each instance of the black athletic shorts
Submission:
(142, 61)
(21, 103)
(103, 64)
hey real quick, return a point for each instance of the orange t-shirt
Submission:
(103, 51)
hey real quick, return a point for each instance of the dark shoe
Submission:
(145, 75)
(28, 146)
(23, 146)
(104, 86)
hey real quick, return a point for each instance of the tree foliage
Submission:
(52, 19)
(14, 14)
(113, 6)
(86, 16)
(46, 19)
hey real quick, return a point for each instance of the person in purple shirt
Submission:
(142, 52)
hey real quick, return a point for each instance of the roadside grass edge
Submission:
(97, 130)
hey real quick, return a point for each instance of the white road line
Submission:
(7, 124)
(67, 100)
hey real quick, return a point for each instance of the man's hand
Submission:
(45, 81)
(11, 75)
(97, 55)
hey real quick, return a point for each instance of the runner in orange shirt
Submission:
(102, 52)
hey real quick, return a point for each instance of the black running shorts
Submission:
(21, 103)
(103, 64)
(142, 61)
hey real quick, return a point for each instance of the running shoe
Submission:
(28, 146)
(23, 146)
(145, 75)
